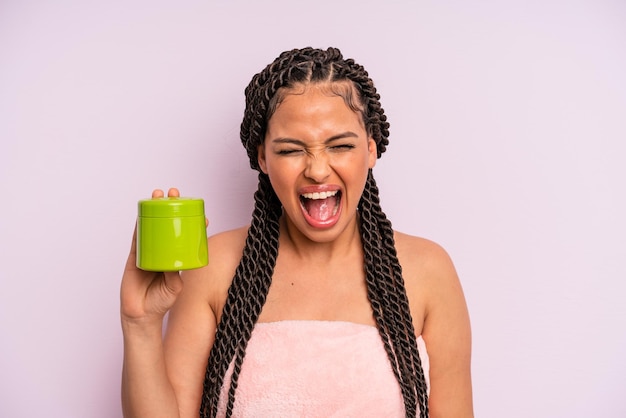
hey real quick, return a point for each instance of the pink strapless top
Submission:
(316, 369)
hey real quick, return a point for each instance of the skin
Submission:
(314, 141)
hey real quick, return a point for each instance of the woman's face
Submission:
(317, 154)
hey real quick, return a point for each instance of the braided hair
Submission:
(251, 283)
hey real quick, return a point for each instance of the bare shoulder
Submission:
(429, 275)
(423, 259)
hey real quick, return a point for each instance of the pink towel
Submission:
(316, 369)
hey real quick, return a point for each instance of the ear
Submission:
(261, 158)
(372, 152)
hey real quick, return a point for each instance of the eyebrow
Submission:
(287, 140)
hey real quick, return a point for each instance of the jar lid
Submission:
(166, 207)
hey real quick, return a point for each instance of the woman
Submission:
(318, 308)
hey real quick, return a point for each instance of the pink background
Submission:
(507, 147)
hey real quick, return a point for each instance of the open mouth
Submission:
(321, 206)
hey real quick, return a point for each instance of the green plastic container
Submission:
(171, 234)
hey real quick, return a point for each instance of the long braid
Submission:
(253, 276)
(389, 300)
(246, 297)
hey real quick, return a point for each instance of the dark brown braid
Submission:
(246, 297)
(387, 295)
(253, 277)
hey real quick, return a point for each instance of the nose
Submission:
(317, 166)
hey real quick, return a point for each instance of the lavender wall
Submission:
(507, 147)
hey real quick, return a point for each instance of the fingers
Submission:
(172, 192)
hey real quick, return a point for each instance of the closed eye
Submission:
(342, 147)
(288, 151)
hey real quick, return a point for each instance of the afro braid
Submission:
(390, 304)
(253, 276)
(245, 299)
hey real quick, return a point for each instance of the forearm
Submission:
(453, 400)
(146, 388)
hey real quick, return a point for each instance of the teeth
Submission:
(320, 195)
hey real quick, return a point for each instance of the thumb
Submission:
(173, 282)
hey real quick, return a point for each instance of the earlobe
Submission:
(261, 158)
(373, 152)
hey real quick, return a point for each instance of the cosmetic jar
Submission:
(171, 234)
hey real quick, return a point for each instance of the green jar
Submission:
(171, 234)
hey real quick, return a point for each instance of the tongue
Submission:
(320, 209)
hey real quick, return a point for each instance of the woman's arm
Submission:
(144, 300)
(440, 314)
(188, 341)
(148, 389)
(162, 377)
